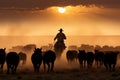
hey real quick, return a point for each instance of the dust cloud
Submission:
(11, 41)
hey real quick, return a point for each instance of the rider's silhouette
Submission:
(60, 38)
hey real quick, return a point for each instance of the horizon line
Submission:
(55, 35)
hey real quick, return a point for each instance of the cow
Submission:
(71, 55)
(90, 58)
(110, 60)
(99, 58)
(36, 59)
(23, 57)
(12, 60)
(2, 58)
(82, 57)
(49, 58)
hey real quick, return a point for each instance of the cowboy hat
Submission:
(60, 29)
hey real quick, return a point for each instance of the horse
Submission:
(82, 57)
(110, 60)
(22, 57)
(71, 55)
(49, 57)
(2, 58)
(12, 60)
(59, 48)
(36, 59)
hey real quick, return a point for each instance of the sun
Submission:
(61, 9)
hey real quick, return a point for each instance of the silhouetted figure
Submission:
(82, 57)
(71, 55)
(49, 58)
(2, 58)
(99, 58)
(110, 59)
(90, 59)
(22, 57)
(37, 59)
(12, 60)
(59, 45)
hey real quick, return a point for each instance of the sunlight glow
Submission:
(61, 9)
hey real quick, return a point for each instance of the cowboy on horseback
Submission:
(60, 37)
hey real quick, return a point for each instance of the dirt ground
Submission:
(64, 74)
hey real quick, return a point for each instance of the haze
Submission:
(77, 20)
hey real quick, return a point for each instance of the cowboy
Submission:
(60, 37)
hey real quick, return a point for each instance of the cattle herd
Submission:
(85, 59)
(12, 60)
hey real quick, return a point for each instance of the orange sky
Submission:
(77, 20)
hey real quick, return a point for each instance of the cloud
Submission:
(42, 4)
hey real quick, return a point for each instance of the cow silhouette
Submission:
(49, 58)
(2, 58)
(110, 59)
(90, 58)
(22, 57)
(82, 57)
(99, 58)
(36, 59)
(12, 60)
(71, 55)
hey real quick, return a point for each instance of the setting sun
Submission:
(61, 9)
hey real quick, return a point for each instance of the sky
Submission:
(41, 17)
